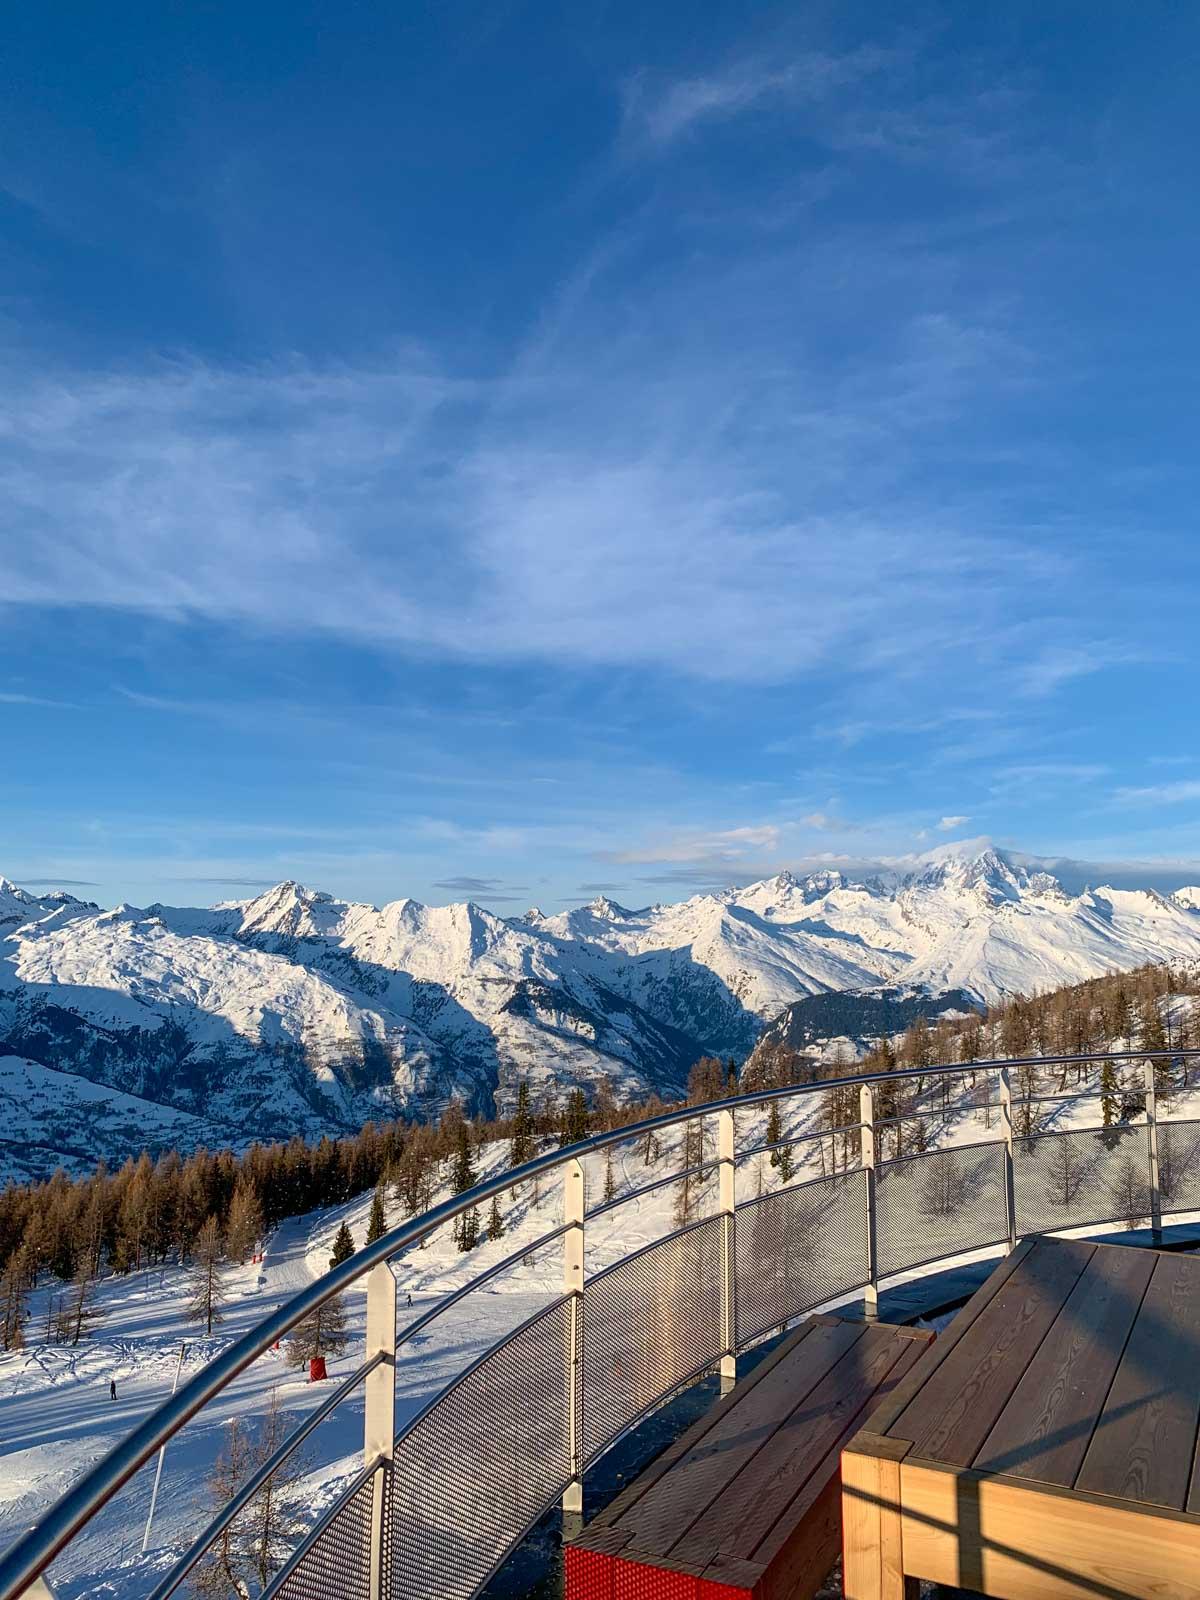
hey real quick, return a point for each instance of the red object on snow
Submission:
(316, 1369)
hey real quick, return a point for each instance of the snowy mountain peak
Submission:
(974, 867)
(602, 906)
(817, 884)
(299, 1012)
(290, 908)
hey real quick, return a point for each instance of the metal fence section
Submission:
(1076, 1179)
(1179, 1165)
(336, 1557)
(481, 1464)
(650, 1323)
(938, 1203)
(797, 1248)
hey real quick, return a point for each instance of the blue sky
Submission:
(510, 450)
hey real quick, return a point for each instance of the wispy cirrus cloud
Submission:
(728, 845)
(659, 110)
(1160, 794)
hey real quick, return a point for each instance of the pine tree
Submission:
(204, 1278)
(467, 1230)
(610, 1177)
(272, 1525)
(462, 1173)
(495, 1227)
(377, 1223)
(574, 1125)
(343, 1246)
(1130, 1192)
(521, 1147)
(706, 1081)
(786, 1162)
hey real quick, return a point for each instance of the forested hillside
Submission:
(153, 1211)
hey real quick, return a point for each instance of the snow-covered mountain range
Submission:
(297, 1012)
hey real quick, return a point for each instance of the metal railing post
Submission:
(1152, 1140)
(379, 1408)
(1010, 1186)
(573, 1239)
(866, 1115)
(727, 1201)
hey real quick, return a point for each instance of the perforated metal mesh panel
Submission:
(797, 1248)
(338, 1562)
(649, 1323)
(1179, 1165)
(938, 1203)
(482, 1464)
(1066, 1180)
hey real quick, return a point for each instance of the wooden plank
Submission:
(765, 1505)
(873, 1556)
(797, 1553)
(1046, 1427)
(883, 1419)
(713, 1418)
(1145, 1438)
(956, 1408)
(697, 1488)
(1018, 1540)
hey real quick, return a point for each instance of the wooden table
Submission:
(1046, 1444)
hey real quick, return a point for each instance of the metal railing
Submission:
(437, 1507)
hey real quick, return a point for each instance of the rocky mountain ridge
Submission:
(294, 1011)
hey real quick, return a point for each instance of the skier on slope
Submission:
(112, 1388)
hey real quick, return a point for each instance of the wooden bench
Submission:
(746, 1505)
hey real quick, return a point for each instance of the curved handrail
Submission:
(30, 1555)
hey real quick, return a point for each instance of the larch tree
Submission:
(207, 1292)
(272, 1524)
(12, 1300)
(225, 1571)
(245, 1223)
(322, 1333)
(76, 1317)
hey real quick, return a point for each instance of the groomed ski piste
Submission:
(57, 1417)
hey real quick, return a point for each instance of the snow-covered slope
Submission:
(297, 1012)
